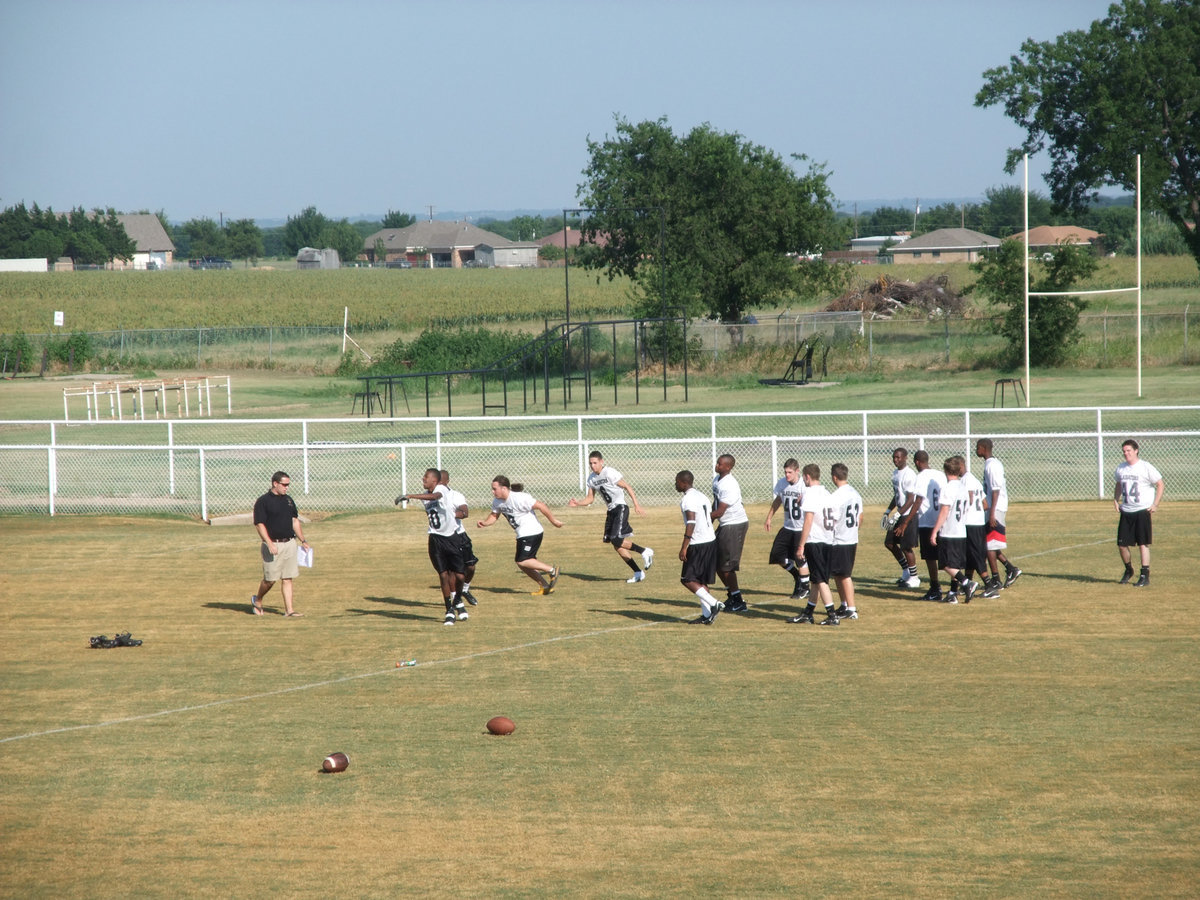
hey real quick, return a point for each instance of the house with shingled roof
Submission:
(944, 245)
(433, 244)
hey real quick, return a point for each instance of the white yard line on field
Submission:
(320, 684)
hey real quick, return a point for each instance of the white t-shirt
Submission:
(953, 495)
(993, 480)
(818, 501)
(727, 490)
(976, 506)
(441, 513)
(456, 500)
(1137, 481)
(928, 488)
(604, 484)
(518, 509)
(694, 506)
(790, 497)
(904, 482)
(847, 514)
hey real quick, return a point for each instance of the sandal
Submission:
(255, 605)
(293, 615)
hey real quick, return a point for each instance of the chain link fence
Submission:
(855, 342)
(212, 468)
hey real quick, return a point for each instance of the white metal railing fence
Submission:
(215, 467)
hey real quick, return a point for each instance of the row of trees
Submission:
(88, 238)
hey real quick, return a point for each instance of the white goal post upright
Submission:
(1137, 289)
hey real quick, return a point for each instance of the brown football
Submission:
(501, 725)
(336, 762)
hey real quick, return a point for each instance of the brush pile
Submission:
(887, 297)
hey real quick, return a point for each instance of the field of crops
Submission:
(403, 299)
(413, 299)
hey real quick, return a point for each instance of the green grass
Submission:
(1039, 744)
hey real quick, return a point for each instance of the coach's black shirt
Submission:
(276, 511)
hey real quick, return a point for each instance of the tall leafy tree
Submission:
(1003, 215)
(1053, 321)
(244, 239)
(1094, 99)
(342, 237)
(304, 230)
(736, 215)
(205, 237)
(395, 219)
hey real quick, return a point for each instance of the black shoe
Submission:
(466, 595)
(830, 619)
(736, 606)
(969, 589)
(993, 584)
(1143, 580)
(449, 618)
(712, 616)
(841, 612)
(949, 597)
(933, 595)
(1013, 574)
(848, 614)
(991, 593)
(1127, 577)
(805, 618)
(703, 620)
(801, 593)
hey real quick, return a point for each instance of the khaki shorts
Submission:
(283, 564)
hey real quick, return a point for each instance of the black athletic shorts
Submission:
(928, 550)
(786, 546)
(527, 547)
(841, 560)
(1133, 529)
(730, 540)
(445, 553)
(977, 548)
(616, 524)
(818, 556)
(468, 551)
(700, 567)
(952, 553)
(907, 539)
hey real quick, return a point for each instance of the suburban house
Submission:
(573, 237)
(447, 245)
(944, 245)
(1047, 237)
(153, 248)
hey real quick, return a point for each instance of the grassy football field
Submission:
(1040, 744)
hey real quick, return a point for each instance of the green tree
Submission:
(736, 214)
(304, 230)
(205, 237)
(1094, 99)
(395, 219)
(1053, 321)
(245, 240)
(342, 237)
(1003, 213)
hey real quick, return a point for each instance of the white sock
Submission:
(707, 601)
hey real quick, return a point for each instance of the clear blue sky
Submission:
(257, 109)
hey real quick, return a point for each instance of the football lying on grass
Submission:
(501, 725)
(336, 762)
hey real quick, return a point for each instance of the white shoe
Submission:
(913, 582)
(637, 576)
(647, 558)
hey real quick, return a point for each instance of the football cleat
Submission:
(845, 613)
(449, 620)
(950, 597)
(637, 576)
(461, 612)
(933, 595)
(801, 594)
(1127, 577)
(805, 618)
(647, 558)
(466, 595)
(736, 606)
(553, 579)
(830, 619)
(1013, 574)
(969, 588)
(991, 593)
(1143, 580)
(913, 582)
